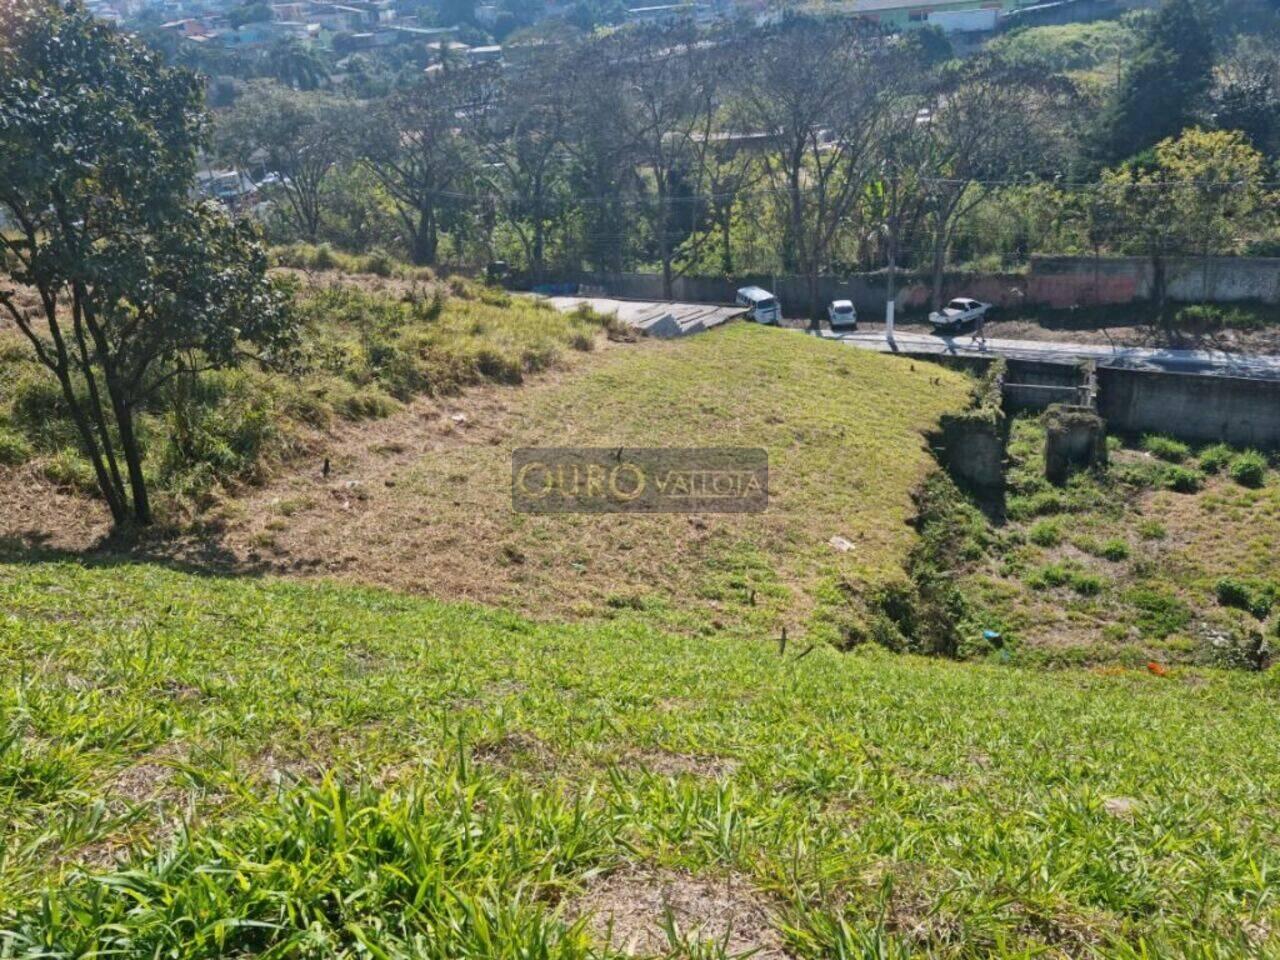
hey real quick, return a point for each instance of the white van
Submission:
(763, 305)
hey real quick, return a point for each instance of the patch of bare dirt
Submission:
(685, 764)
(149, 778)
(516, 751)
(628, 911)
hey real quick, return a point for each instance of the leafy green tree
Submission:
(1194, 195)
(525, 157)
(136, 283)
(1162, 87)
(300, 136)
(248, 13)
(823, 93)
(416, 147)
(296, 65)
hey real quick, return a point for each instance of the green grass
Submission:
(365, 353)
(1148, 559)
(202, 767)
(844, 431)
(1077, 47)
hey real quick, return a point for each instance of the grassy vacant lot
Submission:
(317, 770)
(422, 501)
(409, 394)
(1168, 555)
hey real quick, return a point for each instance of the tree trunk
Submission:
(424, 240)
(1159, 294)
(891, 280)
(113, 495)
(815, 303)
(726, 252)
(664, 246)
(939, 267)
(133, 460)
(539, 248)
(123, 412)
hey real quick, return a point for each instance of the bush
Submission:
(1046, 533)
(1152, 530)
(1181, 480)
(69, 470)
(1159, 613)
(1165, 448)
(14, 448)
(1214, 459)
(1115, 550)
(1253, 596)
(1249, 469)
(1086, 584)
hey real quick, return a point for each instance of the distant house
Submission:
(289, 11)
(663, 13)
(188, 27)
(949, 15)
(487, 14)
(409, 34)
(489, 54)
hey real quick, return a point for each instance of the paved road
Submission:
(1203, 362)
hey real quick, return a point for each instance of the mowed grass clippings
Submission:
(204, 767)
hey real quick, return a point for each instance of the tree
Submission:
(601, 171)
(977, 133)
(524, 149)
(415, 147)
(821, 93)
(1246, 94)
(1197, 194)
(296, 65)
(1161, 88)
(299, 136)
(668, 111)
(136, 284)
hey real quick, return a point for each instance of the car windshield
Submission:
(959, 305)
(767, 304)
(844, 308)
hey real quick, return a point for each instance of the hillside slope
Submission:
(421, 500)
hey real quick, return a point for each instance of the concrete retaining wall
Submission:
(1199, 409)
(1092, 281)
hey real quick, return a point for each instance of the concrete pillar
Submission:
(1075, 438)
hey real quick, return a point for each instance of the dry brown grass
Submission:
(630, 910)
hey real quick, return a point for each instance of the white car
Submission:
(958, 314)
(840, 313)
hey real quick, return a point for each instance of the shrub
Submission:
(1214, 459)
(1046, 533)
(1255, 597)
(1181, 479)
(68, 469)
(1115, 550)
(1086, 584)
(14, 448)
(1152, 530)
(1248, 469)
(1159, 613)
(1165, 448)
